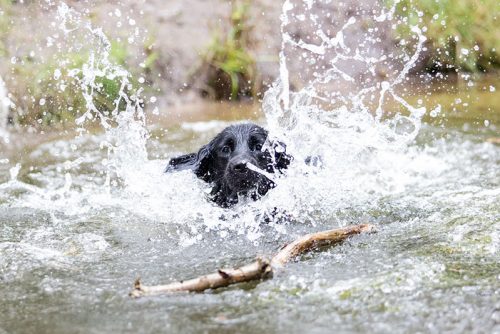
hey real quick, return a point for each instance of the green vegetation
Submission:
(151, 55)
(43, 90)
(152, 65)
(46, 94)
(229, 65)
(463, 34)
(5, 7)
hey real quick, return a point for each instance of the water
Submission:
(5, 104)
(82, 216)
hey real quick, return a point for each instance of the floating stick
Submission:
(260, 269)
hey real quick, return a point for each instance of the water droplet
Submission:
(14, 171)
(57, 74)
(436, 111)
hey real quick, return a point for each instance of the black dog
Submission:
(231, 163)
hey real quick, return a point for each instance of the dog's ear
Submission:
(281, 158)
(199, 163)
(186, 161)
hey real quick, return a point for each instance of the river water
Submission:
(84, 213)
(71, 248)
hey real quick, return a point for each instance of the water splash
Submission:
(5, 105)
(126, 139)
(365, 155)
(346, 130)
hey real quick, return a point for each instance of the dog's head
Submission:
(236, 162)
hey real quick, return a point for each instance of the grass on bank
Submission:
(227, 61)
(463, 35)
(5, 9)
(46, 94)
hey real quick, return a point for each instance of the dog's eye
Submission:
(226, 149)
(258, 147)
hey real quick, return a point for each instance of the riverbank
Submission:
(163, 46)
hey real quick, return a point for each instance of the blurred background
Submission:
(181, 52)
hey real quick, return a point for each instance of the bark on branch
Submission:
(310, 241)
(260, 269)
(494, 140)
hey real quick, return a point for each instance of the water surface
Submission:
(73, 239)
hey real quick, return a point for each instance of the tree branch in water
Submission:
(259, 269)
(311, 241)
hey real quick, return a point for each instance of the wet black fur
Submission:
(223, 163)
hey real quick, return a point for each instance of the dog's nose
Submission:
(240, 167)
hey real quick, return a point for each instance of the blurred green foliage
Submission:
(46, 94)
(463, 34)
(151, 55)
(231, 67)
(5, 7)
